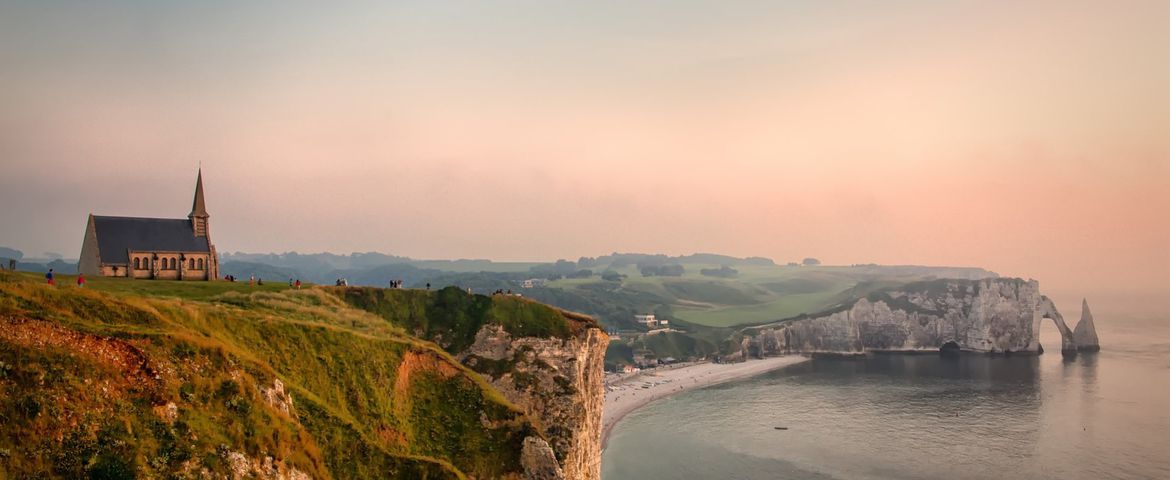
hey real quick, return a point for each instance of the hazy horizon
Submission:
(1031, 140)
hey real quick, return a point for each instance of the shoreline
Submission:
(627, 394)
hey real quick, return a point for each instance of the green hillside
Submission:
(708, 296)
(755, 294)
(160, 379)
(701, 290)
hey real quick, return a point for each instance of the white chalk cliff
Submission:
(998, 315)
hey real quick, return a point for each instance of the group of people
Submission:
(252, 280)
(51, 279)
(499, 292)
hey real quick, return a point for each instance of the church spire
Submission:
(198, 209)
(199, 214)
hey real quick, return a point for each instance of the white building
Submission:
(647, 320)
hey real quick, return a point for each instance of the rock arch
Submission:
(1047, 309)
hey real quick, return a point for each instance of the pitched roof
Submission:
(117, 235)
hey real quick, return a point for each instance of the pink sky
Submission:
(1031, 140)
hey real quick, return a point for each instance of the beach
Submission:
(626, 394)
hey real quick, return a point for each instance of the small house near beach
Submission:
(648, 320)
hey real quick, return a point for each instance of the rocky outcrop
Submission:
(558, 382)
(243, 467)
(1085, 335)
(998, 315)
(539, 461)
(276, 397)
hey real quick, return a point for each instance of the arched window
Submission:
(170, 263)
(137, 263)
(191, 264)
(174, 264)
(201, 264)
(146, 263)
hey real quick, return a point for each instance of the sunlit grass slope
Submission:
(161, 379)
(758, 294)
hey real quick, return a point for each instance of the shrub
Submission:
(722, 272)
(109, 467)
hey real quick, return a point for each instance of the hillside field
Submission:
(163, 379)
(757, 294)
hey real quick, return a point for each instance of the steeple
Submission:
(198, 209)
(199, 214)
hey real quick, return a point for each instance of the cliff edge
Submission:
(128, 379)
(546, 361)
(997, 315)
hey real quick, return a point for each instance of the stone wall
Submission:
(89, 262)
(148, 265)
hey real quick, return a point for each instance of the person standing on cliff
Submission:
(80, 280)
(49, 277)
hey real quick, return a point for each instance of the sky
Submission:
(1029, 138)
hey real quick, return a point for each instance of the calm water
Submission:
(1104, 415)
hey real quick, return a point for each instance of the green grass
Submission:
(452, 317)
(166, 288)
(370, 399)
(781, 308)
(679, 346)
(759, 294)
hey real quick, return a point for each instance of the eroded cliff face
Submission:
(999, 315)
(558, 382)
(546, 364)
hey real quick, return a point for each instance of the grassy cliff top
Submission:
(751, 294)
(451, 317)
(130, 378)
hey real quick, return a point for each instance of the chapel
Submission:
(151, 248)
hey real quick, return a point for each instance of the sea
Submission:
(1103, 415)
